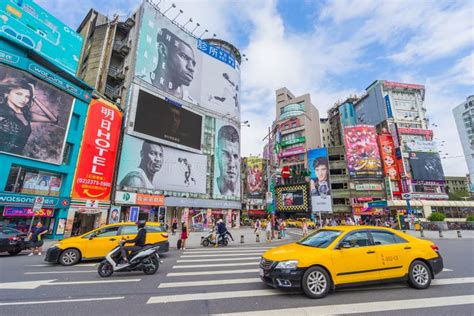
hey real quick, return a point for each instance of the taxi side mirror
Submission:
(92, 236)
(344, 244)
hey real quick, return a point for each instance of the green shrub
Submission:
(470, 218)
(436, 217)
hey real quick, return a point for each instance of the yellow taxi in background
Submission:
(99, 242)
(339, 256)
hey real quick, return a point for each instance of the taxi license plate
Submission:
(261, 273)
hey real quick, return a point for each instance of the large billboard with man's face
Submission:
(320, 187)
(152, 166)
(226, 161)
(157, 119)
(362, 151)
(34, 117)
(186, 68)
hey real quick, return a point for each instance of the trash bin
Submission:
(417, 227)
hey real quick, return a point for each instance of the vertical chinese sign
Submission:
(96, 162)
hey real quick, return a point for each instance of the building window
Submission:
(67, 153)
(32, 181)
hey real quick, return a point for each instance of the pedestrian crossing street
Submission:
(212, 278)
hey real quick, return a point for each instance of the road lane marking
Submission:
(212, 272)
(206, 283)
(212, 296)
(25, 285)
(222, 252)
(366, 307)
(60, 272)
(64, 301)
(216, 265)
(221, 255)
(214, 260)
(54, 265)
(447, 270)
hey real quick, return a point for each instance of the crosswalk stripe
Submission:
(64, 301)
(223, 252)
(60, 272)
(221, 255)
(216, 265)
(214, 260)
(447, 270)
(206, 283)
(211, 296)
(173, 274)
(452, 281)
(366, 307)
(225, 249)
(52, 265)
(94, 282)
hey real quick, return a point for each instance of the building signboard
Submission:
(14, 199)
(293, 141)
(293, 151)
(14, 211)
(293, 198)
(368, 187)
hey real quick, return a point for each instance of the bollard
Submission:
(459, 234)
(422, 234)
(257, 239)
(440, 233)
(241, 239)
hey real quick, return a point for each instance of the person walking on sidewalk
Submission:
(304, 227)
(268, 230)
(174, 226)
(36, 237)
(184, 236)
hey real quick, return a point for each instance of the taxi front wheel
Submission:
(316, 282)
(419, 275)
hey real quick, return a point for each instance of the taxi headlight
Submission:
(290, 264)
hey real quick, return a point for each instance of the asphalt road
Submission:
(226, 282)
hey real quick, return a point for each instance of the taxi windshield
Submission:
(320, 239)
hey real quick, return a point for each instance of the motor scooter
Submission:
(210, 239)
(146, 259)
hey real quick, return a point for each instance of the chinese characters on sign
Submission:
(216, 52)
(98, 152)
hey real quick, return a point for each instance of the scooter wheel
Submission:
(152, 269)
(205, 243)
(105, 269)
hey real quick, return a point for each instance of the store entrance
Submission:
(83, 222)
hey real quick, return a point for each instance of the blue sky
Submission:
(332, 49)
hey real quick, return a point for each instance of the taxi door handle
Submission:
(112, 239)
(371, 251)
(407, 248)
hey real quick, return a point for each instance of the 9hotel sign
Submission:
(96, 162)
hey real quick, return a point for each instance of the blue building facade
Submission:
(38, 146)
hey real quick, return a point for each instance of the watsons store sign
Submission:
(29, 200)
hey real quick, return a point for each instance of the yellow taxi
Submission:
(99, 242)
(340, 256)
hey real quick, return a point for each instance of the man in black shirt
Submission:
(139, 241)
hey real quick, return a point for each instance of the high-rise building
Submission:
(325, 132)
(180, 155)
(399, 108)
(464, 117)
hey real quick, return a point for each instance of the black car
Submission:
(12, 241)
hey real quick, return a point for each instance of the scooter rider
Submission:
(139, 241)
(222, 232)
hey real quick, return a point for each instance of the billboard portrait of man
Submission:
(320, 184)
(228, 161)
(151, 162)
(176, 65)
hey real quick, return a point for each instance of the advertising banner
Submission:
(152, 166)
(164, 121)
(368, 187)
(34, 117)
(387, 153)
(416, 145)
(293, 141)
(226, 161)
(122, 197)
(426, 166)
(148, 199)
(293, 197)
(363, 157)
(187, 68)
(416, 131)
(293, 151)
(347, 114)
(320, 186)
(96, 162)
(114, 216)
(29, 25)
(41, 183)
(254, 177)
(11, 211)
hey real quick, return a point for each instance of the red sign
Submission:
(285, 172)
(416, 131)
(403, 85)
(387, 153)
(96, 162)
